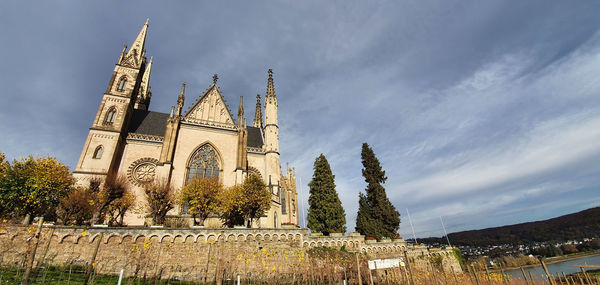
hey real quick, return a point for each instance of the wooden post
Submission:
(31, 257)
(41, 261)
(207, 262)
(524, 276)
(585, 275)
(531, 278)
(407, 263)
(88, 274)
(370, 274)
(580, 279)
(444, 276)
(475, 273)
(502, 274)
(550, 277)
(454, 273)
(358, 269)
(487, 274)
(566, 279)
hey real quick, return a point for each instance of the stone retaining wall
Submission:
(192, 253)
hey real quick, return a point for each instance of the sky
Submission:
(483, 113)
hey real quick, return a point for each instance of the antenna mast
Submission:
(411, 225)
(447, 239)
(301, 203)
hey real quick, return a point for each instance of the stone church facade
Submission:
(203, 141)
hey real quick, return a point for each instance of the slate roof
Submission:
(148, 122)
(155, 123)
(254, 137)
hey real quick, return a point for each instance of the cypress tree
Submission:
(325, 212)
(377, 217)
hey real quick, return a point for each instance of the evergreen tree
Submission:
(365, 224)
(377, 217)
(325, 212)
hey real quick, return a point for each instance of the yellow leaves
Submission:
(134, 247)
(147, 243)
(84, 233)
(273, 268)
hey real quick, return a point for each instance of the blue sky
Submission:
(484, 112)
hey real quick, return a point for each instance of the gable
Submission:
(211, 107)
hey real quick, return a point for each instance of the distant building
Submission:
(204, 141)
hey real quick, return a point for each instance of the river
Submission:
(559, 267)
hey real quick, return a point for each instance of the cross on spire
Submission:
(215, 78)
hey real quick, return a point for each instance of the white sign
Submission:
(385, 263)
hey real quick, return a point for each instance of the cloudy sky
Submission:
(484, 112)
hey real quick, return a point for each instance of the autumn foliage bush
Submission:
(201, 198)
(160, 199)
(77, 208)
(32, 187)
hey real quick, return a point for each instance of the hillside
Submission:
(574, 226)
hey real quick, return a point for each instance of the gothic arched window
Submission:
(122, 84)
(98, 152)
(111, 115)
(283, 202)
(204, 163)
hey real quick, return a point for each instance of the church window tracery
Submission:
(204, 163)
(98, 152)
(122, 84)
(283, 202)
(110, 116)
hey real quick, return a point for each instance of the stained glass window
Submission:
(203, 164)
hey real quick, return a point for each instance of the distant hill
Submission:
(574, 226)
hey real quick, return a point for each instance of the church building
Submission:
(203, 141)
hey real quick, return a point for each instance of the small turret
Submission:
(241, 112)
(258, 121)
(180, 100)
(144, 93)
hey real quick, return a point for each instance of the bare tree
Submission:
(160, 199)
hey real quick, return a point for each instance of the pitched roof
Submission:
(255, 138)
(148, 122)
(155, 123)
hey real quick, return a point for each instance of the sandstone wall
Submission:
(192, 254)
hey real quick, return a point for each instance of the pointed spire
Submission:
(241, 110)
(270, 88)
(137, 50)
(122, 56)
(258, 122)
(181, 99)
(145, 84)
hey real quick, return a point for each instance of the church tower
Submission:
(271, 131)
(128, 88)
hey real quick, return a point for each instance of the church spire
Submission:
(270, 88)
(181, 99)
(144, 94)
(241, 111)
(136, 52)
(258, 122)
